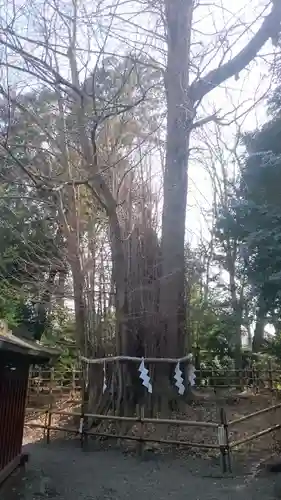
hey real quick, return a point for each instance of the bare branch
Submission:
(268, 29)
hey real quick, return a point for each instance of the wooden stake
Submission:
(83, 418)
(49, 423)
(140, 409)
(226, 433)
(222, 441)
(270, 377)
(73, 382)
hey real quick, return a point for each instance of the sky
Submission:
(247, 95)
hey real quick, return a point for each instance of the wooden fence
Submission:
(71, 381)
(80, 419)
(84, 432)
(224, 445)
(251, 416)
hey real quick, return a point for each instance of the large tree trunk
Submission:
(179, 123)
(61, 289)
(44, 306)
(79, 305)
(260, 325)
(236, 304)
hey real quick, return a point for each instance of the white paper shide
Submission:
(104, 387)
(145, 377)
(191, 375)
(179, 380)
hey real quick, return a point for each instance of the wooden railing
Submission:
(222, 442)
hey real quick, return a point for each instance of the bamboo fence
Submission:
(224, 445)
(81, 430)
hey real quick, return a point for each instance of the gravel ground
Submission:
(64, 472)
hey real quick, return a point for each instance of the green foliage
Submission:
(19, 312)
(216, 371)
(60, 333)
(26, 243)
(213, 326)
(122, 84)
(28, 227)
(10, 305)
(219, 338)
(26, 250)
(273, 346)
(254, 217)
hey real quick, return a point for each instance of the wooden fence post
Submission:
(226, 430)
(254, 373)
(45, 424)
(49, 424)
(38, 386)
(52, 381)
(223, 439)
(73, 382)
(270, 377)
(140, 409)
(82, 425)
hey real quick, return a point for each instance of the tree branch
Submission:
(268, 29)
(203, 121)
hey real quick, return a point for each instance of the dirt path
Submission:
(65, 473)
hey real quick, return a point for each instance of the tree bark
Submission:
(61, 289)
(179, 123)
(260, 325)
(79, 304)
